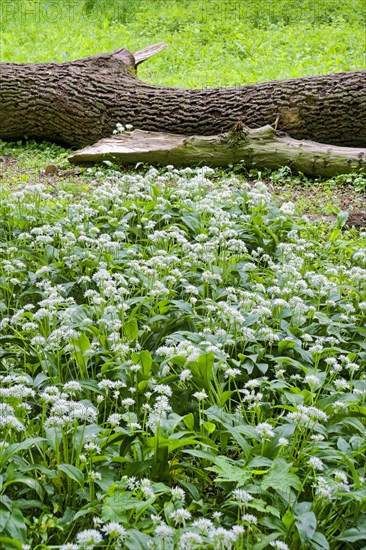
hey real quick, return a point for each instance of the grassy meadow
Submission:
(182, 352)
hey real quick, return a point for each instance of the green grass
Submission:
(209, 44)
(182, 354)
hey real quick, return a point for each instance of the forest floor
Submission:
(318, 199)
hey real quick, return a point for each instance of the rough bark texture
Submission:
(79, 102)
(260, 148)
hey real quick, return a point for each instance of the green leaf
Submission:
(12, 521)
(83, 343)
(72, 472)
(352, 535)
(145, 361)
(225, 396)
(228, 471)
(319, 542)
(171, 443)
(17, 447)
(264, 543)
(201, 370)
(131, 329)
(188, 420)
(136, 539)
(288, 519)
(280, 478)
(306, 526)
(285, 344)
(342, 217)
(29, 481)
(235, 429)
(7, 543)
(210, 427)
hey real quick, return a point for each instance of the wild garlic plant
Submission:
(182, 366)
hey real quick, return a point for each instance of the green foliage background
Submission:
(211, 42)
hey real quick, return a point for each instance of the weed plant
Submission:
(182, 366)
(182, 359)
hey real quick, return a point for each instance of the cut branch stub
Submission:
(148, 52)
(261, 148)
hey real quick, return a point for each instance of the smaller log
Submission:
(258, 148)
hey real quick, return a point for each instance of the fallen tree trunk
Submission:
(79, 102)
(261, 148)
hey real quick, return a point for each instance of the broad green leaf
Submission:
(72, 472)
(12, 523)
(4, 517)
(83, 343)
(280, 478)
(7, 543)
(136, 539)
(288, 519)
(265, 542)
(188, 420)
(116, 505)
(236, 429)
(145, 361)
(319, 542)
(352, 535)
(306, 526)
(285, 344)
(131, 329)
(225, 396)
(17, 447)
(201, 370)
(171, 443)
(29, 481)
(210, 427)
(228, 471)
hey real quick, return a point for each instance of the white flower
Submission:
(237, 530)
(317, 437)
(188, 541)
(203, 525)
(316, 463)
(264, 429)
(312, 379)
(249, 518)
(180, 516)
(89, 538)
(200, 395)
(241, 496)
(163, 531)
(178, 493)
(279, 544)
(185, 375)
(288, 208)
(163, 389)
(114, 529)
(128, 402)
(114, 419)
(92, 448)
(73, 386)
(232, 373)
(323, 489)
(222, 538)
(95, 476)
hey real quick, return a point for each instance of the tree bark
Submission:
(260, 148)
(79, 102)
